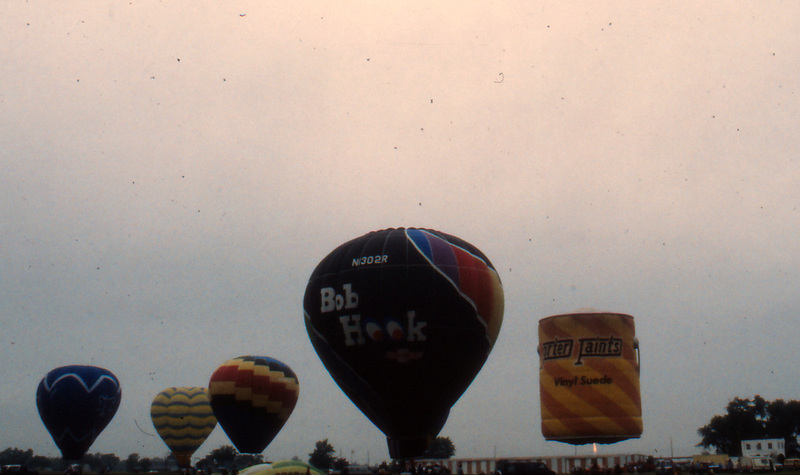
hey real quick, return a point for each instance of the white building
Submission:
(563, 464)
(763, 448)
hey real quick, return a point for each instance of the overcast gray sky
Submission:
(172, 172)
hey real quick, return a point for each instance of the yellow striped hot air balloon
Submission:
(184, 419)
(589, 378)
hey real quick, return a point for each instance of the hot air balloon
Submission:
(284, 467)
(293, 467)
(404, 319)
(184, 420)
(252, 397)
(76, 403)
(589, 378)
(257, 469)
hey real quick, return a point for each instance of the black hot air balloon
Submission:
(76, 403)
(403, 319)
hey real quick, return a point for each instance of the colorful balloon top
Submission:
(252, 397)
(404, 319)
(76, 403)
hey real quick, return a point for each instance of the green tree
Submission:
(248, 460)
(132, 463)
(784, 422)
(40, 462)
(97, 461)
(440, 448)
(322, 456)
(225, 456)
(15, 456)
(340, 463)
(750, 419)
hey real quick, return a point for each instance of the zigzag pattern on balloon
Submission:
(76, 402)
(67, 434)
(268, 387)
(188, 393)
(252, 397)
(183, 401)
(49, 386)
(183, 418)
(175, 428)
(184, 443)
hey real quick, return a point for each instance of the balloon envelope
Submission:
(403, 319)
(257, 469)
(184, 420)
(76, 403)
(252, 397)
(293, 467)
(589, 378)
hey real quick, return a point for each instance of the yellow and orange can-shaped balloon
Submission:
(589, 378)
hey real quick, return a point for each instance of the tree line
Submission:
(225, 456)
(96, 461)
(323, 457)
(757, 418)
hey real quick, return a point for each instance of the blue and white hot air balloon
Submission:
(76, 403)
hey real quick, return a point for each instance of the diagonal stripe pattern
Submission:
(589, 378)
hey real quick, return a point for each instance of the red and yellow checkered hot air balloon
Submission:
(252, 397)
(589, 378)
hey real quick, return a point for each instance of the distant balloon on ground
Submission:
(184, 420)
(256, 469)
(252, 397)
(291, 467)
(589, 378)
(404, 319)
(76, 403)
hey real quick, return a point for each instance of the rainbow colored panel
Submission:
(471, 275)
